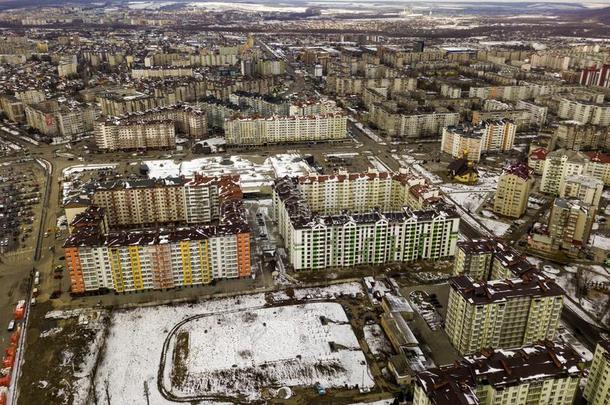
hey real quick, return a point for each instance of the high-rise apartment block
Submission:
(278, 129)
(468, 141)
(489, 259)
(178, 200)
(502, 313)
(558, 165)
(359, 218)
(543, 373)
(102, 251)
(59, 119)
(584, 112)
(597, 389)
(587, 189)
(134, 134)
(570, 224)
(513, 191)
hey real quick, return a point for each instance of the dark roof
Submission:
(456, 383)
(488, 292)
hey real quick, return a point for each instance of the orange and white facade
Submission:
(152, 260)
(158, 258)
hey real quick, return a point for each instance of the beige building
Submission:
(170, 200)
(271, 130)
(489, 259)
(125, 134)
(502, 313)
(54, 119)
(463, 142)
(597, 390)
(411, 124)
(513, 191)
(161, 72)
(558, 165)
(584, 112)
(544, 373)
(570, 224)
(577, 136)
(585, 188)
(471, 142)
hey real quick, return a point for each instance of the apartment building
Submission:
(585, 188)
(597, 389)
(217, 111)
(577, 136)
(344, 85)
(570, 224)
(104, 253)
(187, 120)
(277, 129)
(596, 76)
(598, 166)
(558, 165)
(538, 113)
(353, 219)
(54, 119)
(502, 313)
(542, 373)
(536, 159)
(156, 73)
(584, 112)
(411, 124)
(67, 66)
(261, 104)
(514, 93)
(468, 141)
(463, 142)
(490, 259)
(198, 59)
(521, 118)
(13, 108)
(180, 200)
(125, 261)
(513, 190)
(134, 134)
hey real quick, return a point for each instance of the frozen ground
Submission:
(136, 338)
(376, 339)
(240, 353)
(601, 242)
(253, 175)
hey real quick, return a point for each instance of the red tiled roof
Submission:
(539, 154)
(598, 157)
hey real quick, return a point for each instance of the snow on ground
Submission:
(497, 227)
(240, 353)
(565, 334)
(601, 242)
(253, 175)
(136, 337)
(376, 339)
(468, 200)
(135, 341)
(68, 171)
